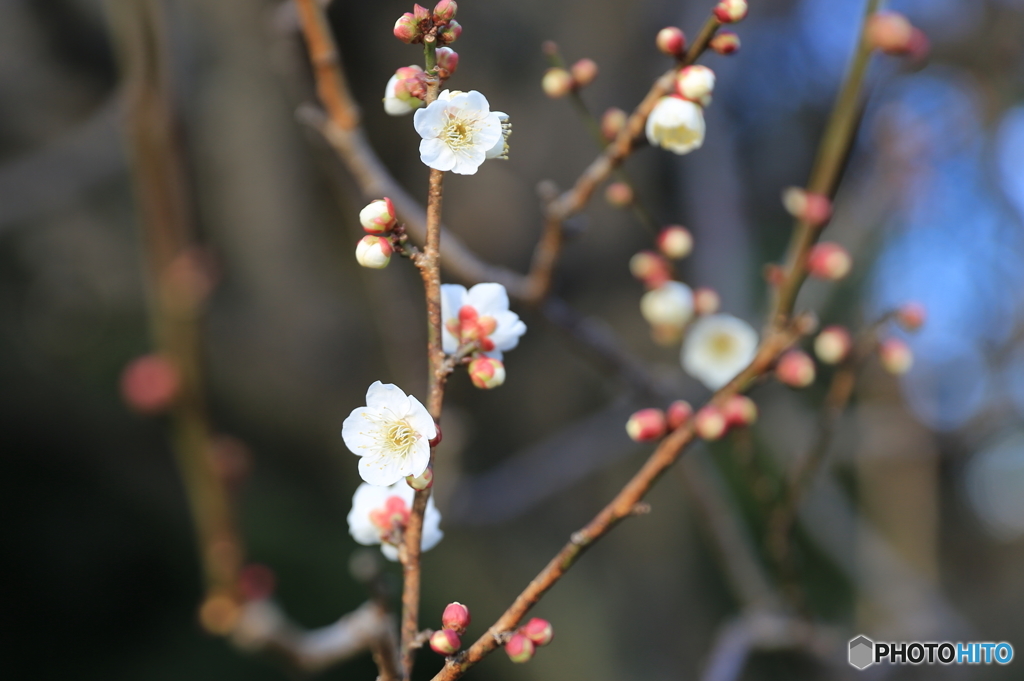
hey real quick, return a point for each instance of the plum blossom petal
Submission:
(480, 314)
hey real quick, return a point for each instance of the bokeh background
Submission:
(914, 532)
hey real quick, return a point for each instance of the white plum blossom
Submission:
(500, 148)
(676, 124)
(458, 130)
(380, 514)
(391, 434)
(671, 304)
(480, 314)
(717, 348)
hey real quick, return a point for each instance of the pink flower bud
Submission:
(421, 14)
(646, 425)
(150, 384)
(710, 423)
(896, 356)
(445, 642)
(833, 344)
(816, 209)
(730, 11)
(407, 29)
(889, 32)
(256, 582)
(671, 41)
(726, 42)
(444, 11)
(650, 268)
(486, 373)
(437, 438)
(450, 33)
(519, 648)
(829, 261)
(537, 630)
(584, 72)
(740, 410)
(612, 122)
(557, 83)
(678, 413)
(911, 316)
(919, 46)
(455, 617)
(695, 83)
(795, 369)
(447, 61)
(378, 216)
(619, 194)
(424, 480)
(706, 301)
(675, 241)
(231, 459)
(374, 252)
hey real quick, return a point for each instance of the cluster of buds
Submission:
(558, 82)
(730, 11)
(795, 369)
(652, 424)
(521, 646)
(454, 620)
(420, 24)
(713, 422)
(892, 33)
(379, 221)
(814, 209)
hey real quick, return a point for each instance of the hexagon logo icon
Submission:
(862, 652)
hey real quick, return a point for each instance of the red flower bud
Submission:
(537, 630)
(896, 356)
(650, 268)
(447, 61)
(710, 423)
(678, 413)
(584, 72)
(407, 29)
(740, 410)
(519, 648)
(675, 241)
(445, 642)
(730, 11)
(612, 122)
(486, 373)
(726, 42)
(450, 33)
(829, 261)
(889, 32)
(444, 11)
(150, 384)
(816, 209)
(911, 316)
(671, 41)
(455, 617)
(256, 582)
(619, 194)
(706, 301)
(646, 425)
(421, 14)
(424, 480)
(795, 369)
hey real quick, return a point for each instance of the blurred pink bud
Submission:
(889, 32)
(437, 438)
(612, 122)
(584, 72)
(557, 83)
(675, 241)
(726, 42)
(706, 301)
(455, 617)
(896, 356)
(445, 642)
(740, 410)
(695, 83)
(795, 369)
(710, 423)
(671, 41)
(774, 274)
(730, 11)
(374, 252)
(150, 384)
(833, 344)
(378, 216)
(537, 630)
(678, 413)
(407, 29)
(919, 46)
(829, 261)
(650, 268)
(231, 459)
(444, 11)
(486, 373)
(447, 61)
(646, 425)
(815, 209)
(619, 194)
(519, 648)
(911, 316)
(424, 480)
(256, 582)
(450, 33)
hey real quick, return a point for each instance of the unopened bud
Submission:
(896, 356)
(678, 413)
(378, 216)
(726, 42)
(407, 29)
(150, 384)
(795, 369)
(671, 304)
(557, 82)
(671, 41)
(675, 241)
(455, 617)
(537, 630)
(815, 209)
(774, 274)
(833, 344)
(612, 122)
(424, 480)
(486, 373)
(374, 252)
(710, 423)
(695, 83)
(447, 61)
(911, 316)
(450, 33)
(256, 582)
(650, 268)
(584, 72)
(646, 425)
(829, 261)
(421, 13)
(436, 440)
(740, 410)
(730, 11)
(444, 11)
(889, 32)
(220, 612)
(706, 301)
(445, 642)
(519, 648)
(619, 194)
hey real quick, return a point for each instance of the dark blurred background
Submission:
(914, 533)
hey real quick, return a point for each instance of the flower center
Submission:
(470, 327)
(394, 515)
(723, 345)
(457, 132)
(400, 436)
